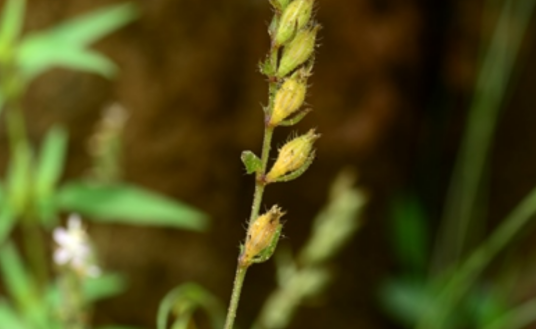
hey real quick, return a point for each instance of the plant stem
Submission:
(256, 205)
(462, 202)
(464, 277)
(235, 297)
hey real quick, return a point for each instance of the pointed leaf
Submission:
(41, 53)
(11, 23)
(65, 45)
(123, 203)
(251, 162)
(88, 28)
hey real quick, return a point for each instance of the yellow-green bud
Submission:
(288, 99)
(292, 156)
(298, 51)
(296, 15)
(260, 235)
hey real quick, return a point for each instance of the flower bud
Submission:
(288, 99)
(296, 15)
(260, 235)
(292, 156)
(297, 51)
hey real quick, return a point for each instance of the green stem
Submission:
(256, 205)
(235, 297)
(469, 271)
(258, 194)
(462, 203)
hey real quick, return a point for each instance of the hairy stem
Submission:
(257, 199)
(235, 297)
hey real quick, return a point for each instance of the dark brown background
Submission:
(391, 86)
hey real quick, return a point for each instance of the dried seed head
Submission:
(261, 234)
(298, 51)
(288, 99)
(295, 16)
(292, 156)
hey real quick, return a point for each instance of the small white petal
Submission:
(62, 256)
(61, 236)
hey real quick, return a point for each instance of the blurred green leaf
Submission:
(521, 316)
(7, 221)
(103, 286)
(48, 172)
(40, 54)
(21, 288)
(66, 44)
(485, 306)
(410, 234)
(123, 203)
(251, 162)
(9, 318)
(406, 300)
(19, 178)
(88, 28)
(184, 300)
(11, 23)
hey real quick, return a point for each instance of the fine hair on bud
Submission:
(298, 51)
(295, 17)
(260, 234)
(288, 99)
(293, 156)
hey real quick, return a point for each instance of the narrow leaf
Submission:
(51, 160)
(18, 178)
(21, 287)
(49, 169)
(11, 23)
(7, 221)
(40, 53)
(251, 162)
(123, 203)
(86, 29)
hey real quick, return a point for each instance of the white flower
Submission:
(74, 248)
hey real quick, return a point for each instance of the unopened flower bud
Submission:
(261, 234)
(293, 155)
(288, 99)
(296, 15)
(298, 51)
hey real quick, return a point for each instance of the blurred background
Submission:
(392, 88)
